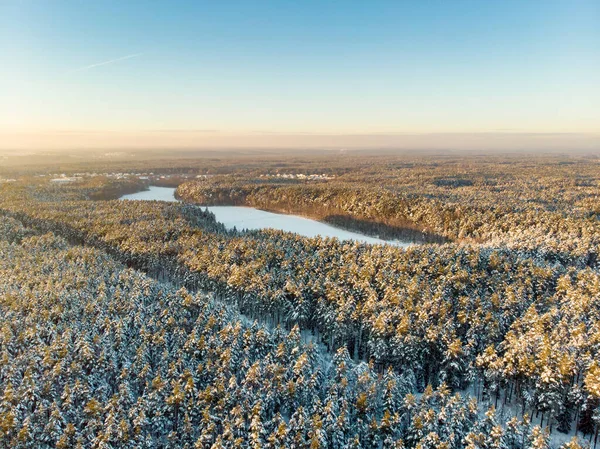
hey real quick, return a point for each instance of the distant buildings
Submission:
(65, 179)
(314, 177)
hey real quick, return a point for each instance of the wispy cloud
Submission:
(111, 61)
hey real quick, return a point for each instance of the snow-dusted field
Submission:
(250, 218)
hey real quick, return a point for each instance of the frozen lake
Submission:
(250, 218)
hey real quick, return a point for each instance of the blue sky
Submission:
(195, 71)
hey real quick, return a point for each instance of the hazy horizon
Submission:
(190, 141)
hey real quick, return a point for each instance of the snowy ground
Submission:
(505, 412)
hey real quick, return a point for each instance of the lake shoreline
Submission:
(256, 219)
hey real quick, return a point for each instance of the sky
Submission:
(209, 74)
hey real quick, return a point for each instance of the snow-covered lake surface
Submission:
(250, 218)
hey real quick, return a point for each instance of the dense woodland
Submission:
(201, 336)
